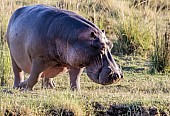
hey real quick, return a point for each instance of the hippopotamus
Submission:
(45, 41)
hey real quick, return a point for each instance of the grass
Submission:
(139, 93)
(139, 90)
(160, 56)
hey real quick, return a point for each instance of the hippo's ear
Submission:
(103, 31)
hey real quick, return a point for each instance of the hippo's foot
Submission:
(48, 83)
(20, 85)
(25, 86)
(16, 87)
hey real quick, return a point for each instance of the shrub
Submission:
(160, 59)
(5, 63)
(153, 4)
(134, 37)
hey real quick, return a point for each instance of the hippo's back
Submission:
(33, 28)
(35, 20)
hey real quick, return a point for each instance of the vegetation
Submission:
(140, 31)
(138, 93)
(161, 55)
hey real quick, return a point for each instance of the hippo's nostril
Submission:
(111, 75)
(121, 76)
(115, 75)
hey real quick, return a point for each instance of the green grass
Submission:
(140, 90)
(138, 93)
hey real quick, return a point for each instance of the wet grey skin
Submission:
(45, 41)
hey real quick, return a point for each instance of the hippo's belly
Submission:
(53, 71)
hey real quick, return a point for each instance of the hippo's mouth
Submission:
(102, 76)
(104, 70)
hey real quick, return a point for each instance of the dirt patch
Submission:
(26, 112)
(99, 109)
(126, 109)
(17, 112)
(60, 112)
(11, 113)
(132, 110)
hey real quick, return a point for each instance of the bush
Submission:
(134, 37)
(5, 63)
(160, 59)
(159, 5)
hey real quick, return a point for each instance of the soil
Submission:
(101, 110)
(126, 110)
(60, 112)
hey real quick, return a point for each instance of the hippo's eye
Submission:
(93, 35)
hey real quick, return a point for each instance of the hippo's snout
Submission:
(115, 76)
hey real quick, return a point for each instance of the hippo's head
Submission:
(92, 50)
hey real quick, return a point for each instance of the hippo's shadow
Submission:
(7, 91)
(133, 68)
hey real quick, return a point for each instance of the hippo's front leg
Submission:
(75, 78)
(36, 69)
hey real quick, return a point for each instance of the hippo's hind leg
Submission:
(50, 73)
(48, 83)
(18, 74)
(36, 68)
